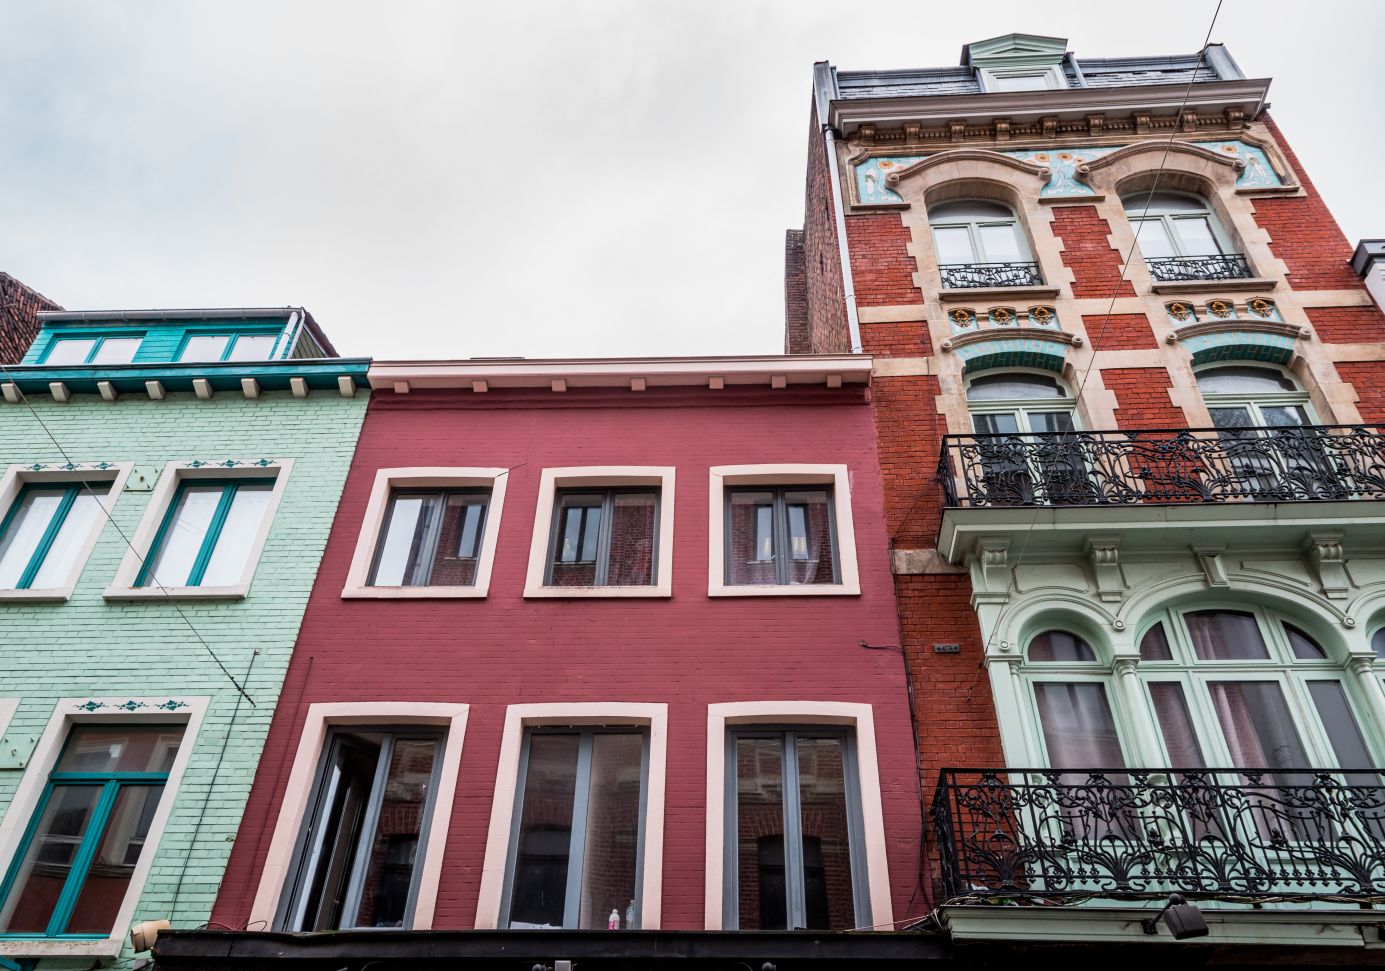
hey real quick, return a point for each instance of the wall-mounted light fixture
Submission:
(1182, 919)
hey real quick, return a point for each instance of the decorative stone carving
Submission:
(1209, 558)
(1323, 551)
(1103, 552)
(991, 572)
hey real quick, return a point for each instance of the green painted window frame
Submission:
(95, 350)
(55, 525)
(232, 336)
(111, 783)
(229, 487)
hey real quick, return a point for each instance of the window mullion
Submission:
(431, 540)
(81, 863)
(779, 529)
(794, 875)
(978, 249)
(577, 843)
(45, 543)
(204, 555)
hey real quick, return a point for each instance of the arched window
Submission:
(1072, 703)
(1249, 396)
(1024, 451)
(1181, 238)
(980, 244)
(1018, 402)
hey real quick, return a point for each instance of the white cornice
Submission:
(1248, 95)
(613, 372)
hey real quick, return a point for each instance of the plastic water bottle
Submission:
(613, 922)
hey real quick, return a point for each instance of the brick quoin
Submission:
(1368, 378)
(1095, 263)
(882, 270)
(1142, 396)
(688, 651)
(1120, 332)
(1348, 325)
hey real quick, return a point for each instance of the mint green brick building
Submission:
(167, 482)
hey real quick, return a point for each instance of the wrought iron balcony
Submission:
(1170, 269)
(1050, 836)
(1296, 464)
(970, 276)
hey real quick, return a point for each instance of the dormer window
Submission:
(1045, 79)
(228, 347)
(91, 350)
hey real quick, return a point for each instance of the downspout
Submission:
(853, 322)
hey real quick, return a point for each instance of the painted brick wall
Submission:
(88, 647)
(688, 651)
(1368, 378)
(1120, 332)
(1142, 397)
(827, 327)
(796, 337)
(1348, 325)
(881, 266)
(1095, 263)
(18, 325)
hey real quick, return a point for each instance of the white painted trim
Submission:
(600, 477)
(123, 586)
(16, 477)
(386, 480)
(66, 713)
(858, 716)
(837, 476)
(306, 763)
(520, 717)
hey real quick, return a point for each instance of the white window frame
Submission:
(723, 477)
(974, 227)
(377, 508)
(1054, 79)
(1167, 219)
(860, 718)
(279, 862)
(175, 473)
(601, 477)
(120, 709)
(16, 477)
(520, 718)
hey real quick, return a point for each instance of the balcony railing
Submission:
(970, 276)
(1170, 269)
(1049, 836)
(1296, 464)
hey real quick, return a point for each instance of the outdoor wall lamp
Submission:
(1183, 919)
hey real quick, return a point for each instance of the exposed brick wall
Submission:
(909, 430)
(796, 337)
(18, 323)
(827, 326)
(1095, 264)
(1305, 236)
(903, 339)
(1120, 332)
(1142, 396)
(882, 270)
(1348, 325)
(1368, 378)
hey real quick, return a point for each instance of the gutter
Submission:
(824, 91)
(224, 313)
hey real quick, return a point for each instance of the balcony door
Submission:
(979, 244)
(1025, 448)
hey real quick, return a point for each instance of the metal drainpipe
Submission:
(853, 322)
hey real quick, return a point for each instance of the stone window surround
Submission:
(377, 507)
(66, 713)
(13, 480)
(307, 761)
(175, 473)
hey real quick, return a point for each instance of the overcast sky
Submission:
(543, 179)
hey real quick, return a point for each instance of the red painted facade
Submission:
(688, 651)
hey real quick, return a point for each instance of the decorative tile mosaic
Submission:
(1018, 352)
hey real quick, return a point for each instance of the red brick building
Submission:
(19, 307)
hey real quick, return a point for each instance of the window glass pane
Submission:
(1305, 648)
(750, 540)
(827, 879)
(1226, 635)
(968, 210)
(1058, 645)
(1243, 380)
(611, 850)
(72, 536)
(954, 245)
(538, 894)
(1154, 646)
(459, 542)
(204, 348)
(579, 536)
(1195, 233)
(252, 348)
(469, 521)
(393, 848)
(1237, 417)
(1001, 423)
(48, 859)
(26, 528)
(810, 557)
(238, 533)
(1009, 385)
(1284, 416)
(1343, 732)
(1176, 725)
(404, 552)
(1162, 202)
(1017, 82)
(1049, 422)
(70, 351)
(117, 350)
(1256, 724)
(763, 892)
(184, 534)
(1079, 731)
(103, 749)
(1153, 238)
(108, 877)
(633, 529)
(1002, 244)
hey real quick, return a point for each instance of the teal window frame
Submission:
(111, 783)
(232, 336)
(95, 350)
(55, 525)
(209, 541)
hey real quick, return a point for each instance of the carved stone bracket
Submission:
(991, 570)
(1323, 553)
(1209, 558)
(1103, 552)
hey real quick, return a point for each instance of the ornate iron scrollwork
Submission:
(963, 276)
(1169, 269)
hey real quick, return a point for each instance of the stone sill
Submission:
(1254, 284)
